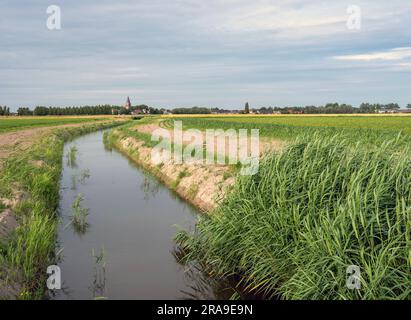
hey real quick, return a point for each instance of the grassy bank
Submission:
(199, 184)
(35, 175)
(310, 212)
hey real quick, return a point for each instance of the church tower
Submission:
(128, 104)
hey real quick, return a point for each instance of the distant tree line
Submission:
(141, 109)
(330, 108)
(24, 112)
(193, 110)
(85, 110)
(4, 111)
(66, 111)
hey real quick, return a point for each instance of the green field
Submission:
(394, 123)
(368, 128)
(14, 123)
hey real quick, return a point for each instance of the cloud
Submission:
(195, 52)
(388, 55)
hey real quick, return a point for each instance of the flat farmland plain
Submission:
(17, 123)
(355, 128)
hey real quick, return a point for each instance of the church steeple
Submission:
(128, 103)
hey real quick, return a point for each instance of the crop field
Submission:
(395, 123)
(371, 129)
(19, 123)
(381, 123)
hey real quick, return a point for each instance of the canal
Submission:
(125, 248)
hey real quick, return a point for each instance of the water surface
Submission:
(126, 251)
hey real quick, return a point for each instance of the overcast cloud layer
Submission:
(207, 53)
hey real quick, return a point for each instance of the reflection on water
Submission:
(72, 157)
(150, 187)
(201, 284)
(134, 218)
(98, 288)
(79, 178)
(79, 229)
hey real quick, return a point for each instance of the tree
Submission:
(193, 110)
(409, 106)
(24, 112)
(392, 106)
(247, 108)
(41, 111)
(4, 111)
(370, 108)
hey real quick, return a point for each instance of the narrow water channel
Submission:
(126, 249)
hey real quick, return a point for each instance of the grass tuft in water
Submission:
(79, 215)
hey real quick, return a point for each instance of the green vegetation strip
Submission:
(25, 258)
(310, 212)
(370, 130)
(14, 124)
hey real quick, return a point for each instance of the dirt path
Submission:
(203, 185)
(265, 144)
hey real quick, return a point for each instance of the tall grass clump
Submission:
(310, 212)
(31, 248)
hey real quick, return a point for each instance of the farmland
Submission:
(337, 195)
(8, 124)
(371, 129)
(380, 122)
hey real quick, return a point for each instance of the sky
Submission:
(212, 53)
